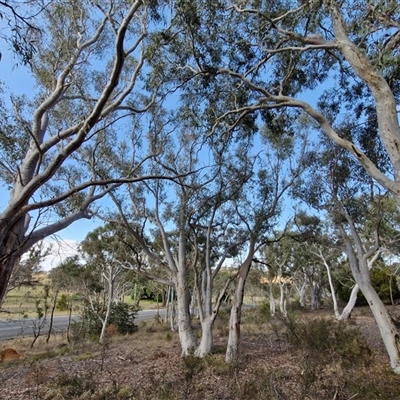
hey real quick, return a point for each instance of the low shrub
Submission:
(122, 317)
(62, 303)
(326, 341)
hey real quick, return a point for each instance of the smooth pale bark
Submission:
(350, 304)
(333, 292)
(232, 351)
(302, 293)
(204, 304)
(207, 338)
(175, 264)
(33, 174)
(110, 277)
(314, 293)
(282, 299)
(272, 305)
(346, 312)
(186, 335)
(180, 274)
(208, 314)
(385, 323)
(208, 311)
(360, 269)
(385, 103)
(332, 287)
(108, 309)
(361, 65)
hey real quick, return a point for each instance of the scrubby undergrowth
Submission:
(307, 356)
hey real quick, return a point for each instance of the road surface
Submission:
(25, 327)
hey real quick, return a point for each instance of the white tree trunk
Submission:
(350, 304)
(314, 298)
(207, 341)
(301, 291)
(385, 324)
(385, 102)
(186, 334)
(333, 293)
(108, 310)
(354, 292)
(272, 306)
(111, 277)
(232, 350)
(282, 301)
(360, 269)
(302, 294)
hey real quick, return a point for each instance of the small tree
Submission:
(101, 250)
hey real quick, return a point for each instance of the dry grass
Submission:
(20, 302)
(147, 365)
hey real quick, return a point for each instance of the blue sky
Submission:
(17, 80)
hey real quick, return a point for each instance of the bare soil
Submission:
(148, 365)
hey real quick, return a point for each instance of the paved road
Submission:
(25, 327)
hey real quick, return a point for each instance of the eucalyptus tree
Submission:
(30, 265)
(259, 210)
(163, 211)
(101, 249)
(57, 146)
(226, 197)
(20, 28)
(351, 200)
(278, 261)
(270, 60)
(313, 240)
(68, 277)
(327, 261)
(218, 235)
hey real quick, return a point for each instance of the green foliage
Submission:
(62, 303)
(41, 303)
(325, 345)
(73, 386)
(259, 315)
(122, 317)
(146, 294)
(194, 365)
(22, 35)
(382, 280)
(324, 342)
(135, 293)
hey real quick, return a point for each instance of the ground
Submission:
(296, 359)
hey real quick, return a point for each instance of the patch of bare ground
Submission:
(309, 356)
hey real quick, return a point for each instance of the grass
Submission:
(307, 356)
(20, 303)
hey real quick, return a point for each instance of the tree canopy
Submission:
(207, 131)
